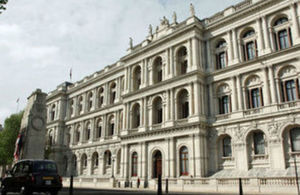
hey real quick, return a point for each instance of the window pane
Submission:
(259, 143)
(227, 146)
(290, 90)
(250, 50)
(255, 98)
(295, 139)
(283, 39)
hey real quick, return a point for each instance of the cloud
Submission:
(40, 40)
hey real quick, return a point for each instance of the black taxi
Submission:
(28, 176)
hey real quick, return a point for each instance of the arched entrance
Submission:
(157, 164)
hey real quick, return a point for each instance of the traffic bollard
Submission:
(167, 186)
(71, 186)
(241, 186)
(159, 191)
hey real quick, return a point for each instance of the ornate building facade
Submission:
(197, 102)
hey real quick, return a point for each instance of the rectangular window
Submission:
(283, 39)
(255, 96)
(259, 143)
(295, 139)
(225, 105)
(290, 90)
(227, 147)
(250, 47)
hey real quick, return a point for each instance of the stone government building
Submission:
(201, 102)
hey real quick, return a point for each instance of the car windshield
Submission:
(43, 166)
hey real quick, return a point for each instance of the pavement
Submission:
(82, 191)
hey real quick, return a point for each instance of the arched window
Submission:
(95, 160)
(157, 111)
(90, 101)
(136, 116)
(295, 139)
(99, 129)
(184, 161)
(249, 45)
(87, 131)
(101, 97)
(157, 70)
(221, 55)
(52, 112)
(282, 33)
(183, 104)
(182, 61)
(137, 78)
(84, 161)
(80, 104)
(107, 157)
(113, 93)
(111, 126)
(227, 146)
(134, 167)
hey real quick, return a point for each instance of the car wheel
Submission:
(54, 192)
(3, 190)
(25, 191)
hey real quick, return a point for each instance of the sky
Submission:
(41, 40)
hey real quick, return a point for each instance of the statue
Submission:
(174, 18)
(164, 21)
(130, 43)
(150, 29)
(157, 29)
(192, 9)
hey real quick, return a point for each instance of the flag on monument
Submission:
(71, 74)
(18, 147)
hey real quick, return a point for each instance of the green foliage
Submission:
(2, 3)
(8, 137)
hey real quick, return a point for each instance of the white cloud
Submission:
(40, 40)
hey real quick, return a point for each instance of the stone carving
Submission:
(192, 9)
(223, 88)
(253, 80)
(287, 71)
(164, 21)
(273, 130)
(212, 134)
(174, 18)
(150, 30)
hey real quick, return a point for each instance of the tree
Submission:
(8, 138)
(2, 3)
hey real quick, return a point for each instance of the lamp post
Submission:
(297, 183)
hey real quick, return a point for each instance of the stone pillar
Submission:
(126, 162)
(89, 163)
(276, 156)
(172, 158)
(191, 102)
(209, 57)
(144, 160)
(266, 93)
(118, 90)
(123, 161)
(197, 98)
(280, 96)
(81, 132)
(260, 41)
(234, 94)
(190, 56)
(106, 96)
(240, 93)
(101, 163)
(172, 107)
(230, 48)
(266, 35)
(203, 102)
(295, 24)
(241, 155)
(94, 106)
(212, 100)
(235, 47)
(196, 59)
(93, 130)
(272, 85)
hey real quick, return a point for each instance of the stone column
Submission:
(150, 78)
(212, 100)
(93, 130)
(197, 98)
(191, 102)
(172, 107)
(266, 94)
(202, 96)
(295, 26)
(104, 126)
(118, 90)
(266, 35)
(234, 94)
(276, 154)
(260, 41)
(235, 47)
(209, 57)
(81, 132)
(272, 85)
(280, 96)
(172, 158)
(145, 112)
(172, 68)
(192, 157)
(190, 56)
(101, 163)
(230, 48)
(106, 94)
(126, 162)
(89, 164)
(144, 160)
(94, 99)
(195, 45)
(240, 93)
(240, 151)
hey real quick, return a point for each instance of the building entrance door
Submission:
(157, 164)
